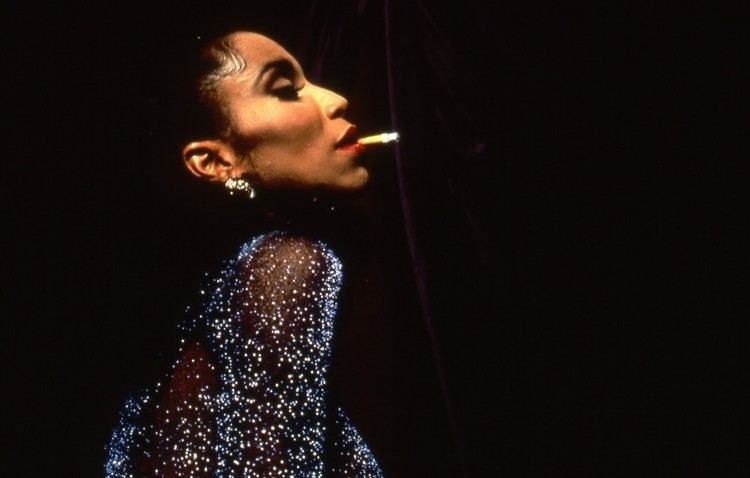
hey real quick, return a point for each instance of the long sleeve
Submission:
(274, 309)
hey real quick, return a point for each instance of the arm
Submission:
(270, 330)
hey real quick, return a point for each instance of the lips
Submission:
(348, 139)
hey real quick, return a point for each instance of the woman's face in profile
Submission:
(287, 131)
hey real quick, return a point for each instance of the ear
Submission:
(212, 160)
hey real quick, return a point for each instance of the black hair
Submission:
(204, 115)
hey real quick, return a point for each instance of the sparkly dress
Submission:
(247, 395)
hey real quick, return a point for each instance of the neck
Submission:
(336, 219)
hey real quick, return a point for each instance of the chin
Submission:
(353, 185)
(358, 181)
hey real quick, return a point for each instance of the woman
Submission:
(247, 394)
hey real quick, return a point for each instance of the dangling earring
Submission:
(239, 184)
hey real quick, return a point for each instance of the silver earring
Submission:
(240, 185)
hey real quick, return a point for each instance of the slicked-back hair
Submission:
(201, 112)
(219, 60)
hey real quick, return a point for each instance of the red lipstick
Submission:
(348, 139)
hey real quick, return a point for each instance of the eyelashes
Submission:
(284, 81)
(285, 86)
(287, 92)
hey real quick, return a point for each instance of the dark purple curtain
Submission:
(425, 71)
(411, 77)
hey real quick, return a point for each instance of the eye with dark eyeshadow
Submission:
(287, 92)
(284, 82)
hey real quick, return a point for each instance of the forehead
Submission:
(258, 50)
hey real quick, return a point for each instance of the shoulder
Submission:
(287, 253)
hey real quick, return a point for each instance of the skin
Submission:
(285, 130)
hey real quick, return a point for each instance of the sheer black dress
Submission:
(247, 395)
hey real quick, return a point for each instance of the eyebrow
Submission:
(283, 65)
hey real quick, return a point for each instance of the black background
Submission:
(574, 194)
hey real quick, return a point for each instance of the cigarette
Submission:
(381, 138)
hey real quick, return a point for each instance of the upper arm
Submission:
(271, 332)
(287, 283)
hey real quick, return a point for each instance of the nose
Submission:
(333, 104)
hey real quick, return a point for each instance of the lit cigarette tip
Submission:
(379, 138)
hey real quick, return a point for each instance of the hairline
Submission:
(230, 61)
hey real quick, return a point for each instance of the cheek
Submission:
(288, 126)
(289, 143)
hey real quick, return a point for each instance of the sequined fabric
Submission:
(246, 396)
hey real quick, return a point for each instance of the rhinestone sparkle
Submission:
(246, 396)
